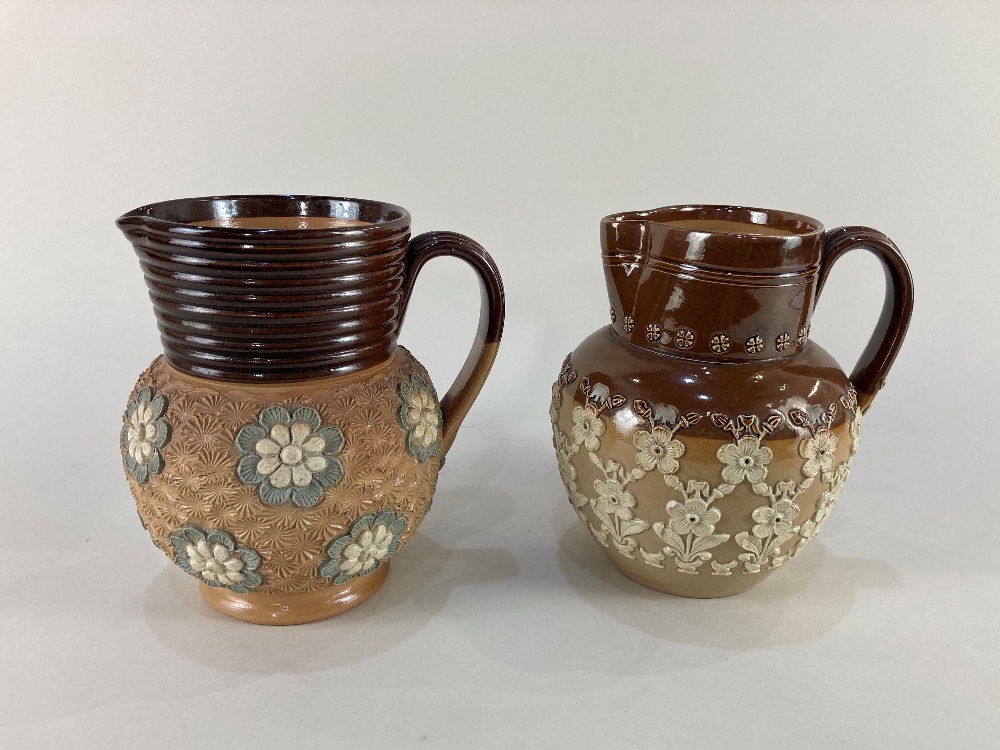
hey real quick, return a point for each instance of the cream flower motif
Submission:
(370, 540)
(776, 519)
(587, 427)
(746, 459)
(420, 416)
(819, 453)
(291, 455)
(556, 403)
(614, 499)
(856, 431)
(567, 472)
(694, 516)
(145, 434)
(657, 450)
(214, 559)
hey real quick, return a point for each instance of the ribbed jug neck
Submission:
(249, 303)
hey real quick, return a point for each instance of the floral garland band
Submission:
(689, 533)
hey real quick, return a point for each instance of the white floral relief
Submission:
(657, 450)
(819, 453)
(835, 477)
(775, 525)
(824, 505)
(746, 459)
(613, 506)
(566, 448)
(690, 533)
(855, 432)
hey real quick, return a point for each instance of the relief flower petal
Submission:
(145, 433)
(419, 415)
(658, 450)
(291, 455)
(369, 541)
(745, 459)
(694, 516)
(819, 453)
(215, 559)
(587, 427)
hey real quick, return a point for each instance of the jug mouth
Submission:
(722, 219)
(734, 239)
(263, 216)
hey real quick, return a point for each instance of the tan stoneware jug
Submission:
(703, 437)
(284, 447)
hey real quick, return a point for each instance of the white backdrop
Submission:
(521, 125)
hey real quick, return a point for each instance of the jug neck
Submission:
(715, 282)
(271, 289)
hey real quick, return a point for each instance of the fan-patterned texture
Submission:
(199, 484)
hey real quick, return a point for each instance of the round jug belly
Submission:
(700, 478)
(285, 501)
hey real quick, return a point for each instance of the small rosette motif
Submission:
(369, 541)
(420, 416)
(145, 434)
(291, 455)
(214, 559)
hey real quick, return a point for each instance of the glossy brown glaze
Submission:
(290, 288)
(687, 287)
(273, 304)
(708, 387)
(869, 373)
(694, 280)
(702, 437)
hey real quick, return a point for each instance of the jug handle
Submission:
(458, 400)
(869, 374)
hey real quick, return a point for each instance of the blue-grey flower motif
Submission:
(291, 455)
(214, 559)
(369, 540)
(420, 415)
(145, 434)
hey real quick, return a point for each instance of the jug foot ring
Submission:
(295, 608)
(689, 586)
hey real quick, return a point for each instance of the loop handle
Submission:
(869, 374)
(458, 400)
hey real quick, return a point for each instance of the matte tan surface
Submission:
(280, 222)
(700, 461)
(199, 483)
(295, 609)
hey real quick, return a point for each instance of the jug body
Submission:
(284, 447)
(702, 437)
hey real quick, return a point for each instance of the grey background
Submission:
(520, 124)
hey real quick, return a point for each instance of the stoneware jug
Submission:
(284, 447)
(702, 437)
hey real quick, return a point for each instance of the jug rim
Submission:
(797, 225)
(176, 216)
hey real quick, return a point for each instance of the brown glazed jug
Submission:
(284, 447)
(703, 437)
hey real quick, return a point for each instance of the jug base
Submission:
(295, 608)
(695, 588)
